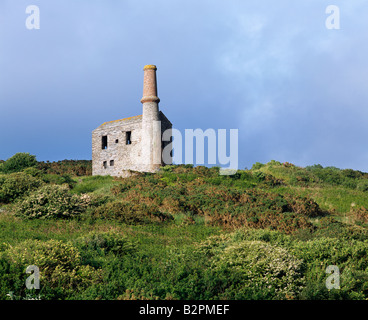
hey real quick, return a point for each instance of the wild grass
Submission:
(193, 234)
(97, 184)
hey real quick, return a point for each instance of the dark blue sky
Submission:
(296, 91)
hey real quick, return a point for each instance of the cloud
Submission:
(295, 90)
(300, 87)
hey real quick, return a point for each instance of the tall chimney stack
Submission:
(150, 84)
(151, 129)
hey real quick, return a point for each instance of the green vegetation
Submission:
(51, 201)
(18, 162)
(15, 185)
(67, 167)
(183, 233)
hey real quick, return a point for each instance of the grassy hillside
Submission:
(184, 233)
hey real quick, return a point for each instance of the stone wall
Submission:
(124, 156)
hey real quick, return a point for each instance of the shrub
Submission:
(131, 213)
(329, 227)
(16, 185)
(349, 256)
(360, 214)
(330, 175)
(314, 167)
(267, 179)
(300, 177)
(96, 200)
(167, 168)
(51, 201)
(57, 179)
(254, 209)
(32, 171)
(259, 175)
(61, 272)
(70, 167)
(257, 166)
(106, 242)
(303, 205)
(274, 163)
(363, 186)
(350, 183)
(350, 173)
(18, 162)
(288, 165)
(252, 270)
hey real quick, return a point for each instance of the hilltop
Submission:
(184, 233)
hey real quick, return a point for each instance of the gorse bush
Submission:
(360, 214)
(318, 253)
(257, 165)
(330, 227)
(106, 242)
(69, 167)
(303, 205)
(220, 204)
(363, 186)
(267, 179)
(18, 162)
(349, 256)
(252, 270)
(34, 172)
(316, 175)
(51, 201)
(131, 213)
(16, 185)
(61, 271)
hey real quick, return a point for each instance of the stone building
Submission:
(135, 143)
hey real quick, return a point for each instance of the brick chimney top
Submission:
(150, 66)
(149, 84)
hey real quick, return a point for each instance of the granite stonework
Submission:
(133, 144)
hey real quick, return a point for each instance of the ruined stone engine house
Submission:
(135, 143)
